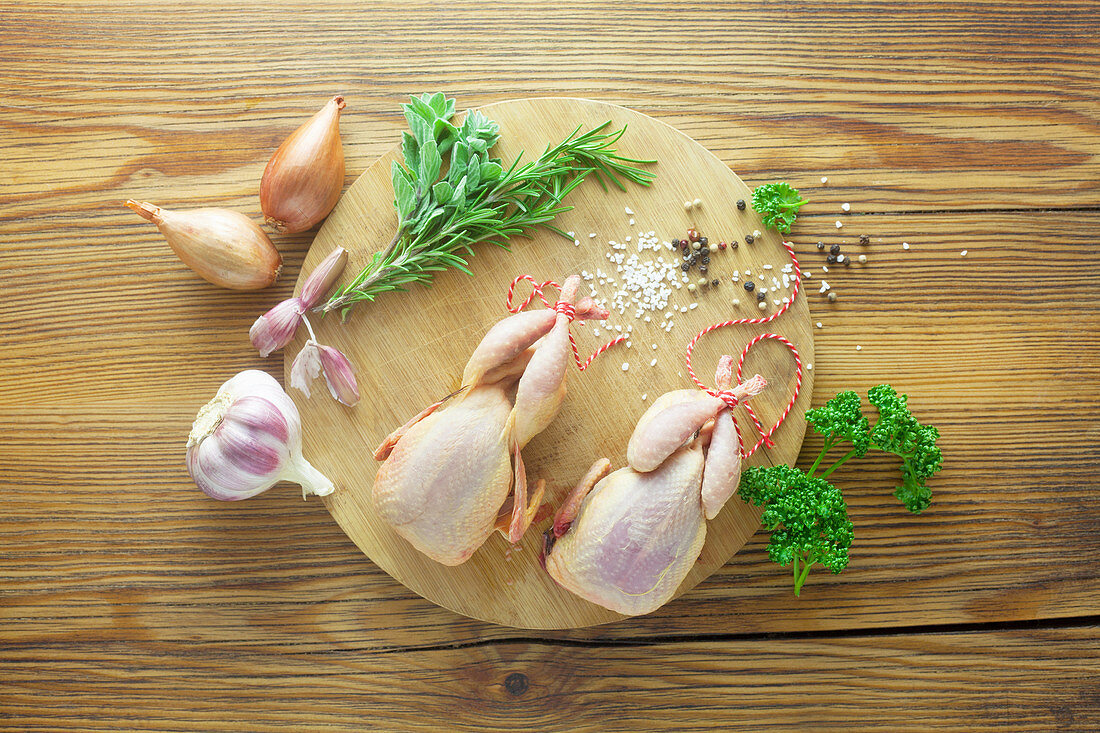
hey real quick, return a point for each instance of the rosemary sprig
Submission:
(477, 200)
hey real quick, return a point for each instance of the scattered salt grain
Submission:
(693, 306)
(653, 363)
(839, 224)
(963, 253)
(905, 245)
(644, 395)
(697, 202)
(591, 235)
(818, 324)
(846, 207)
(824, 287)
(626, 366)
(824, 179)
(810, 367)
(654, 347)
(631, 222)
(629, 211)
(859, 348)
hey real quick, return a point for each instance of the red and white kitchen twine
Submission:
(567, 309)
(537, 289)
(726, 395)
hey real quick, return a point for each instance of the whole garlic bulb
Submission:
(247, 439)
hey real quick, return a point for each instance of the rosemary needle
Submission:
(478, 200)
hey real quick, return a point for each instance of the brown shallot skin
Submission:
(303, 180)
(224, 247)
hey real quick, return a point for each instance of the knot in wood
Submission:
(516, 683)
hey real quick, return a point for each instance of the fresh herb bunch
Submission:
(777, 204)
(440, 218)
(806, 515)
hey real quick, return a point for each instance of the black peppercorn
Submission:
(733, 244)
(848, 261)
(703, 241)
(749, 285)
(761, 296)
(821, 245)
(749, 239)
(864, 239)
(714, 282)
(831, 259)
(835, 249)
(740, 204)
(686, 266)
(706, 260)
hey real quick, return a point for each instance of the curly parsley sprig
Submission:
(806, 515)
(477, 200)
(777, 204)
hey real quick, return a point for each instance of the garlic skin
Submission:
(247, 439)
(303, 179)
(224, 247)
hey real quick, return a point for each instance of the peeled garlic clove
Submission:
(303, 179)
(275, 329)
(224, 247)
(247, 439)
(323, 277)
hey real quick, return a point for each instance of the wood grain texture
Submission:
(129, 601)
(393, 339)
(1028, 680)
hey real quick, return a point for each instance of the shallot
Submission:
(303, 179)
(224, 247)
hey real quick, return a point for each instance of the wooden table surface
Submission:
(129, 601)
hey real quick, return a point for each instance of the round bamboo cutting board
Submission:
(409, 350)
